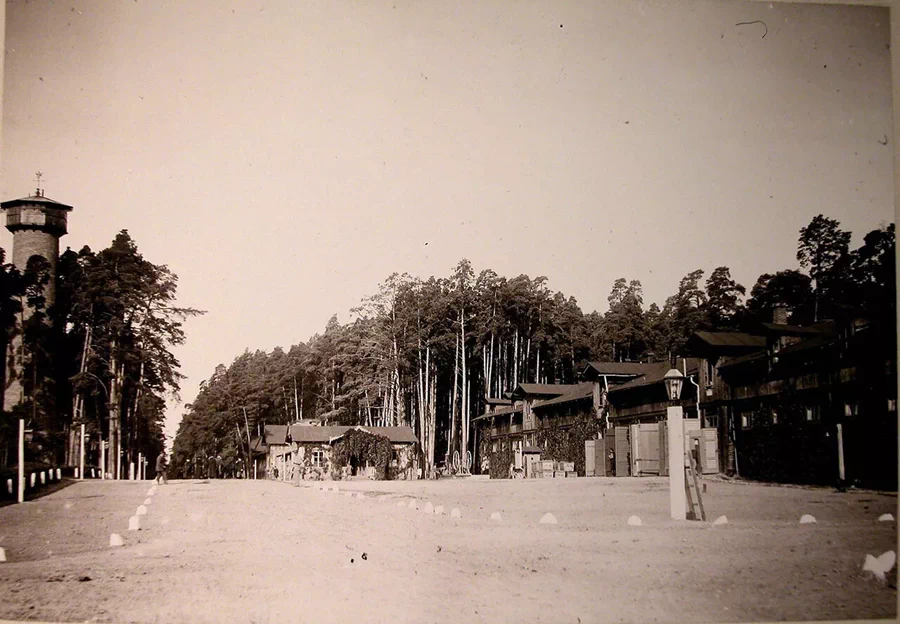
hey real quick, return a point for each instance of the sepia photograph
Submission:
(528, 311)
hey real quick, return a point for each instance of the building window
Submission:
(774, 414)
(892, 405)
(850, 409)
(712, 420)
(746, 420)
(710, 373)
(812, 413)
(318, 458)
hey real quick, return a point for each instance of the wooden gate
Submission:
(708, 446)
(623, 452)
(645, 449)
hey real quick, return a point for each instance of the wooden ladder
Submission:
(692, 490)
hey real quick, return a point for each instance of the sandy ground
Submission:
(257, 551)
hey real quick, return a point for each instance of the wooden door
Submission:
(623, 452)
(647, 461)
(589, 457)
(709, 449)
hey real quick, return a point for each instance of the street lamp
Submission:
(675, 425)
(674, 380)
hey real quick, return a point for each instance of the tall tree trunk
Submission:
(516, 360)
(451, 439)
(464, 419)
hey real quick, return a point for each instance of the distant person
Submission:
(211, 472)
(161, 468)
(219, 467)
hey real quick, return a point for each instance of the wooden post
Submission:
(102, 457)
(21, 494)
(675, 428)
(840, 441)
(131, 471)
(81, 455)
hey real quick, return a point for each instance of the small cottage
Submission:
(337, 452)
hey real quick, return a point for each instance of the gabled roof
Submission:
(629, 369)
(276, 434)
(653, 376)
(500, 411)
(577, 392)
(322, 435)
(740, 340)
(496, 401)
(742, 359)
(525, 389)
(797, 330)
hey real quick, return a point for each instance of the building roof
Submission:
(34, 199)
(797, 330)
(541, 389)
(309, 434)
(275, 434)
(742, 359)
(500, 411)
(577, 392)
(731, 339)
(257, 446)
(631, 369)
(532, 449)
(653, 376)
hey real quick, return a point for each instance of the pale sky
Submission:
(284, 157)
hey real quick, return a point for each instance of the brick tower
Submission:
(37, 223)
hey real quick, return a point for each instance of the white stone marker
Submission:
(720, 520)
(881, 565)
(885, 518)
(9, 485)
(134, 523)
(58, 474)
(807, 519)
(548, 518)
(2, 556)
(147, 501)
(496, 517)
(43, 478)
(141, 511)
(634, 521)
(428, 508)
(412, 504)
(116, 540)
(675, 430)
(454, 513)
(439, 510)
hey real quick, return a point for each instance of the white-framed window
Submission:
(892, 405)
(712, 420)
(812, 413)
(851, 409)
(710, 373)
(318, 458)
(746, 420)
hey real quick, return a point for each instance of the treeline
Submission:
(99, 355)
(425, 353)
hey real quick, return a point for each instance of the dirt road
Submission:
(257, 551)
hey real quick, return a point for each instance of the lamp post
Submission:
(675, 426)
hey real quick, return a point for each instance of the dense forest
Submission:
(425, 353)
(100, 355)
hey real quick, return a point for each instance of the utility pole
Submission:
(21, 460)
(81, 456)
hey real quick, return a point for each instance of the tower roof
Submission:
(35, 199)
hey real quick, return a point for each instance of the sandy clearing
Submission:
(263, 551)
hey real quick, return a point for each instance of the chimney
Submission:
(780, 314)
